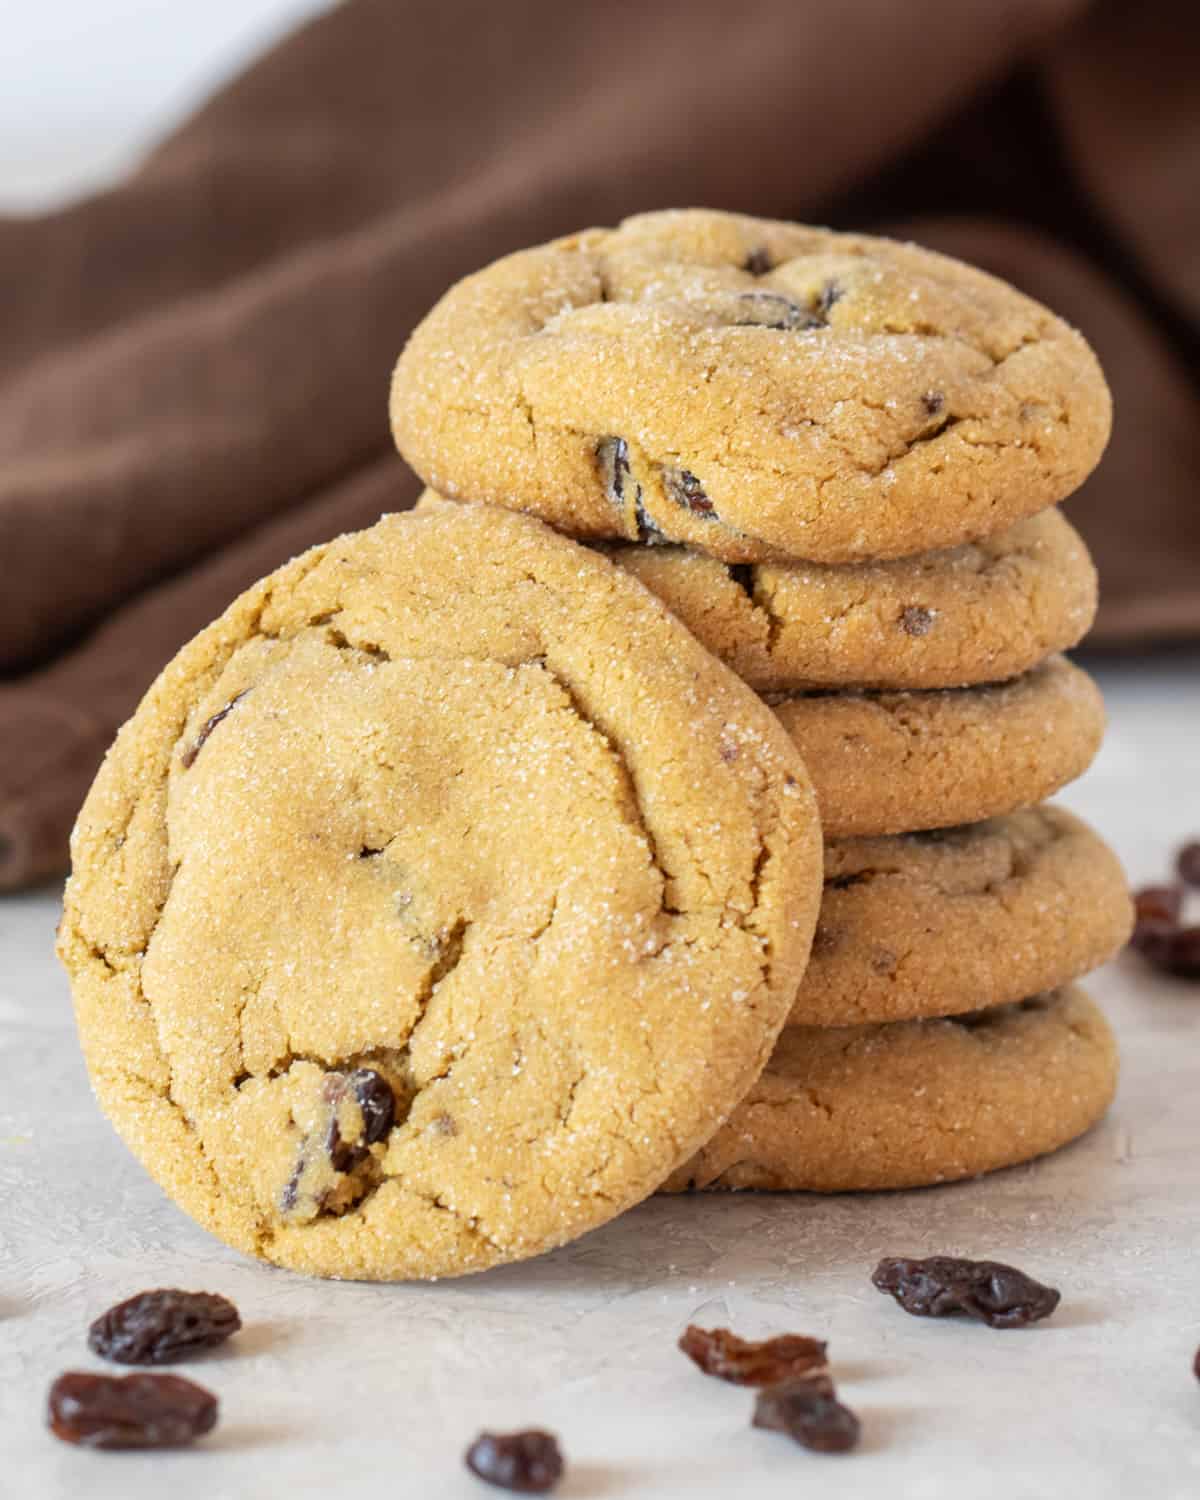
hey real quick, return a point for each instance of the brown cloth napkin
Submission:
(194, 365)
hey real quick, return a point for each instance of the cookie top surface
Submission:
(436, 902)
(751, 388)
(983, 612)
(932, 924)
(845, 1108)
(887, 763)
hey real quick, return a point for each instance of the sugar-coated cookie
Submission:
(750, 388)
(913, 1103)
(436, 903)
(931, 924)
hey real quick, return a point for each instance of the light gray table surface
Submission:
(361, 1391)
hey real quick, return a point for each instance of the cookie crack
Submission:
(616, 750)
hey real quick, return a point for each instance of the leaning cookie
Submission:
(436, 903)
(899, 762)
(932, 924)
(843, 1109)
(750, 388)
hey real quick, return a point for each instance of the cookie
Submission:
(752, 389)
(983, 612)
(899, 762)
(438, 900)
(851, 1108)
(932, 924)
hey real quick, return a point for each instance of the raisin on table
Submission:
(810, 1415)
(163, 1326)
(719, 1352)
(129, 1411)
(527, 1463)
(987, 1290)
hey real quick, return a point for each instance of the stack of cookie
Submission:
(836, 459)
(456, 888)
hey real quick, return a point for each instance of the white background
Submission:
(85, 83)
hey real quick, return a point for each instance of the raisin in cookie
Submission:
(983, 612)
(436, 903)
(914, 1103)
(931, 924)
(750, 388)
(899, 762)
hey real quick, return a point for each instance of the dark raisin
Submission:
(1157, 903)
(758, 263)
(529, 1463)
(810, 1413)
(1188, 863)
(743, 575)
(160, 1327)
(1196, 1365)
(933, 401)
(769, 310)
(719, 1352)
(1183, 958)
(188, 758)
(647, 531)
(686, 490)
(916, 620)
(310, 1188)
(831, 292)
(374, 1097)
(129, 1411)
(612, 456)
(995, 1294)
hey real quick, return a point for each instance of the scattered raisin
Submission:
(916, 620)
(933, 401)
(160, 1327)
(530, 1463)
(129, 1411)
(995, 1294)
(770, 310)
(1157, 903)
(1183, 960)
(686, 490)
(1188, 863)
(808, 1413)
(758, 263)
(188, 758)
(1196, 1365)
(1158, 934)
(719, 1352)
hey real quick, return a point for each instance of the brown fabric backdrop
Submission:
(194, 365)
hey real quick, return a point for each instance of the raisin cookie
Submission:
(899, 762)
(436, 903)
(979, 613)
(932, 924)
(914, 1103)
(983, 612)
(752, 389)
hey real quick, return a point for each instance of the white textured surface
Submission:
(361, 1391)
